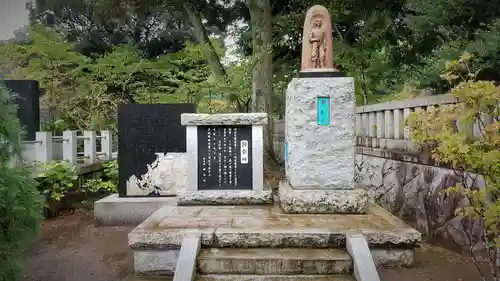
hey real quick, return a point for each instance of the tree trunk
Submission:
(365, 89)
(200, 33)
(262, 84)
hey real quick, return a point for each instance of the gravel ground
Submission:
(71, 248)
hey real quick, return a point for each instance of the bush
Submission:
(20, 202)
(56, 180)
(447, 132)
(108, 183)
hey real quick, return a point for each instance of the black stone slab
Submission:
(320, 74)
(224, 157)
(146, 129)
(28, 101)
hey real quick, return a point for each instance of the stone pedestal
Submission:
(320, 156)
(320, 147)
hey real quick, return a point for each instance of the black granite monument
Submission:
(143, 131)
(28, 101)
(224, 157)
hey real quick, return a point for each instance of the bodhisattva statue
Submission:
(318, 44)
(317, 41)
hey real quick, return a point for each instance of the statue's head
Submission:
(317, 21)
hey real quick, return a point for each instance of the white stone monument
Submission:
(224, 154)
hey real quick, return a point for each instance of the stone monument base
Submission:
(225, 197)
(113, 210)
(350, 201)
(321, 73)
(261, 240)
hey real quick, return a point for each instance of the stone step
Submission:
(218, 277)
(148, 278)
(274, 261)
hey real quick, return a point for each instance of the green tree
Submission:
(57, 67)
(84, 93)
(20, 202)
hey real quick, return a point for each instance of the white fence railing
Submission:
(383, 125)
(46, 147)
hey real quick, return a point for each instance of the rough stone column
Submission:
(320, 148)
(320, 156)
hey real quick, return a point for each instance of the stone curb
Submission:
(219, 197)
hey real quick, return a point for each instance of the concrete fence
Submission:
(46, 147)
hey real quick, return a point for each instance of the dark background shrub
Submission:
(20, 202)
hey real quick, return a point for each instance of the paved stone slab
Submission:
(190, 119)
(267, 226)
(223, 197)
(350, 201)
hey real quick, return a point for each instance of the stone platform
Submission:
(156, 241)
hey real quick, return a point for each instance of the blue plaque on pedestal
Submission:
(286, 151)
(323, 110)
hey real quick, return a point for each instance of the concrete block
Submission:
(114, 210)
(155, 262)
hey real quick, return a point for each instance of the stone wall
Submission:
(415, 192)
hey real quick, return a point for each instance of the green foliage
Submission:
(156, 27)
(448, 132)
(84, 93)
(13, 57)
(100, 185)
(108, 183)
(54, 182)
(20, 202)
(229, 94)
(392, 46)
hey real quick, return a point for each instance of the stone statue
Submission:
(317, 40)
(318, 44)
